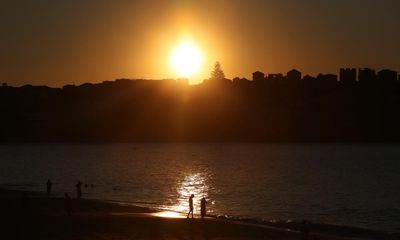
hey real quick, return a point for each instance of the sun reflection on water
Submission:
(168, 214)
(191, 184)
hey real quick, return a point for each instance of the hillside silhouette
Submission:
(358, 105)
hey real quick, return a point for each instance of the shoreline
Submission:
(104, 210)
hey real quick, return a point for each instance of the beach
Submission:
(39, 217)
(29, 215)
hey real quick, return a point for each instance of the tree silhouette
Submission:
(217, 73)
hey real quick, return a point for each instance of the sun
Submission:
(186, 59)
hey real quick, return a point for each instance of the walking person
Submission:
(48, 187)
(190, 206)
(79, 189)
(203, 203)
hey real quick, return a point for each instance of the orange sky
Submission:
(62, 42)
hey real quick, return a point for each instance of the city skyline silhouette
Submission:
(356, 105)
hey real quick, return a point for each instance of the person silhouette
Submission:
(203, 203)
(48, 187)
(68, 207)
(190, 206)
(79, 189)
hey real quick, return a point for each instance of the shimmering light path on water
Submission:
(191, 184)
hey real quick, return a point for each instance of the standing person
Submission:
(190, 206)
(203, 203)
(79, 189)
(48, 187)
(68, 207)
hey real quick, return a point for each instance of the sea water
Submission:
(344, 184)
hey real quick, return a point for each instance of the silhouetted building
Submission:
(294, 75)
(236, 80)
(258, 76)
(348, 75)
(308, 78)
(241, 81)
(327, 78)
(275, 76)
(366, 75)
(217, 82)
(387, 76)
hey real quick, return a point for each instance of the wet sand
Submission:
(39, 217)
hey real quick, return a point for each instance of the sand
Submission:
(34, 216)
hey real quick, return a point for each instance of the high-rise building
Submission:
(348, 75)
(327, 78)
(294, 75)
(258, 76)
(366, 75)
(275, 76)
(387, 76)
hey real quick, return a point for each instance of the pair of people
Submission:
(202, 206)
(78, 186)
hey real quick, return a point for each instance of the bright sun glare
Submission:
(186, 59)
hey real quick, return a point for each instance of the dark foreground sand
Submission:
(38, 217)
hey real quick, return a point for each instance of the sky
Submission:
(47, 42)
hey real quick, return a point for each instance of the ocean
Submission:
(342, 184)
